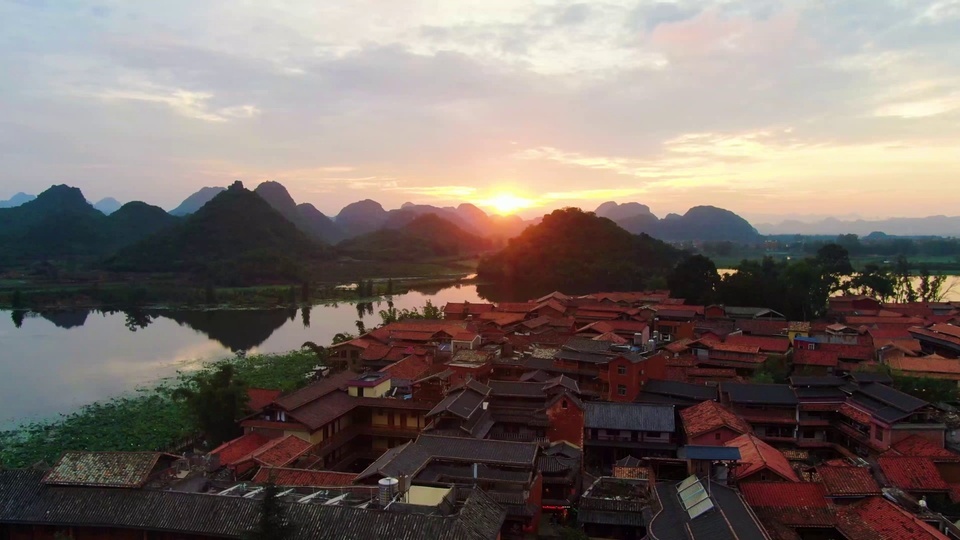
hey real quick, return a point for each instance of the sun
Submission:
(506, 203)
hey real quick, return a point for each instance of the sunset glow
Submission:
(506, 203)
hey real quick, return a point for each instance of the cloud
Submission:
(673, 103)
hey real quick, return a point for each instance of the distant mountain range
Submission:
(926, 226)
(700, 223)
(17, 200)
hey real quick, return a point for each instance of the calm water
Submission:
(57, 362)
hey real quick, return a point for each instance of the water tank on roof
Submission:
(656, 335)
(651, 345)
(638, 338)
(388, 488)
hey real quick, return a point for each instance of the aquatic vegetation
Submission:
(149, 419)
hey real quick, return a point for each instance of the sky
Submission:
(768, 108)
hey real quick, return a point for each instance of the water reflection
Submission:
(55, 361)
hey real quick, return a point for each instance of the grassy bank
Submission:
(947, 265)
(165, 290)
(148, 420)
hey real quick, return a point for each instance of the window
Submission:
(621, 390)
(810, 346)
(716, 435)
(878, 433)
(621, 370)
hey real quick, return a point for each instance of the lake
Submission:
(57, 362)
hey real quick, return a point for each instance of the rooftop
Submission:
(841, 481)
(764, 394)
(709, 416)
(756, 455)
(629, 416)
(104, 469)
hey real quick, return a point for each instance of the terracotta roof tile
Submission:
(926, 365)
(916, 445)
(410, 368)
(708, 416)
(785, 494)
(764, 343)
(848, 481)
(756, 455)
(282, 451)
(261, 397)
(235, 451)
(912, 473)
(303, 477)
(875, 518)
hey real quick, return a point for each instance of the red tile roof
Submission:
(915, 445)
(280, 452)
(926, 366)
(806, 357)
(466, 308)
(761, 327)
(848, 481)
(409, 368)
(912, 473)
(756, 455)
(764, 343)
(875, 518)
(239, 449)
(785, 494)
(789, 503)
(854, 413)
(261, 397)
(708, 416)
(303, 477)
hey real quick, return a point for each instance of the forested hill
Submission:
(573, 250)
(61, 225)
(425, 237)
(236, 237)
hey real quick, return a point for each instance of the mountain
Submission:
(17, 200)
(575, 251)
(194, 202)
(137, 220)
(305, 216)
(235, 239)
(925, 226)
(318, 225)
(58, 224)
(361, 217)
(107, 205)
(700, 223)
(617, 212)
(424, 237)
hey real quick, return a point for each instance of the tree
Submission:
(389, 287)
(341, 337)
(903, 290)
(305, 292)
(361, 328)
(17, 316)
(931, 286)
(272, 523)
(874, 281)
(305, 315)
(209, 294)
(834, 260)
(694, 279)
(16, 299)
(216, 402)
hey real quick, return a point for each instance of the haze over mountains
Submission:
(925, 226)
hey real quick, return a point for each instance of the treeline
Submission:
(801, 288)
(578, 252)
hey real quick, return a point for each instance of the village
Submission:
(622, 415)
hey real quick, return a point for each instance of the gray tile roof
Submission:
(629, 416)
(730, 519)
(588, 345)
(24, 499)
(695, 392)
(769, 394)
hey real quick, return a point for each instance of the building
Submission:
(615, 430)
(770, 408)
(506, 471)
(697, 509)
(710, 423)
(759, 462)
(31, 507)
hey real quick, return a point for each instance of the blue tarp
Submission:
(712, 453)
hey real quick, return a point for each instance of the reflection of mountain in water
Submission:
(237, 330)
(66, 319)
